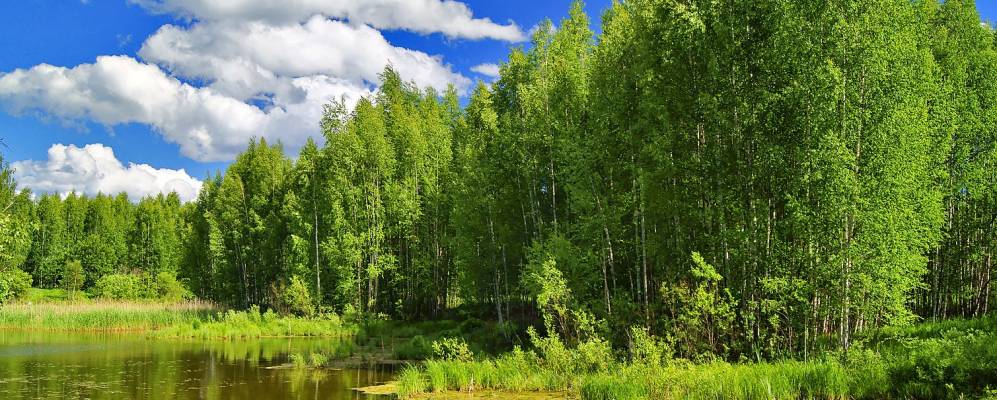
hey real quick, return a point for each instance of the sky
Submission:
(151, 96)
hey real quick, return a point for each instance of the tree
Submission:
(72, 278)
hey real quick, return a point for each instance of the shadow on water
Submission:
(44, 365)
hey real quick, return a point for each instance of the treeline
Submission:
(740, 177)
(74, 241)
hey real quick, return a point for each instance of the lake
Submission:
(45, 365)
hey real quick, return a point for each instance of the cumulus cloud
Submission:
(95, 169)
(207, 125)
(451, 18)
(245, 59)
(248, 68)
(489, 70)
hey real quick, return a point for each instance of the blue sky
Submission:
(72, 33)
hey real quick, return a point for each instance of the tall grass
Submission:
(954, 360)
(102, 315)
(828, 379)
(193, 319)
(253, 324)
(784, 380)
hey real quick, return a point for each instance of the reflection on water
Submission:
(128, 366)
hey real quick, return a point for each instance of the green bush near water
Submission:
(162, 286)
(14, 283)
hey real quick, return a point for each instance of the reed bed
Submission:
(786, 380)
(102, 315)
(192, 319)
(253, 324)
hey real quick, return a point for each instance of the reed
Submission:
(102, 315)
(193, 319)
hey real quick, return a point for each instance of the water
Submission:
(129, 366)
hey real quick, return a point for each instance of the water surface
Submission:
(42, 365)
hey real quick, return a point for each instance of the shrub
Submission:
(162, 286)
(72, 278)
(452, 349)
(645, 349)
(14, 283)
(417, 348)
(297, 299)
(169, 288)
(119, 287)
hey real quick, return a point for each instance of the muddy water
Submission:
(129, 366)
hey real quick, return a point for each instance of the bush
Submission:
(297, 299)
(14, 283)
(452, 349)
(72, 278)
(417, 348)
(646, 349)
(119, 287)
(169, 288)
(162, 286)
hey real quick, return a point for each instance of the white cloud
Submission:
(245, 59)
(262, 68)
(95, 169)
(207, 125)
(451, 18)
(489, 70)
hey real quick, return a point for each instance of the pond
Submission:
(35, 365)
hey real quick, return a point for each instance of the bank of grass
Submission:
(191, 319)
(253, 324)
(948, 360)
(826, 379)
(101, 315)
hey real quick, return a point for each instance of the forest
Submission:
(744, 180)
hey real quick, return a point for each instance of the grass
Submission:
(101, 315)
(38, 295)
(253, 324)
(200, 320)
(947, 360)
(519, 373)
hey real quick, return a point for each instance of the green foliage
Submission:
(102, 316)
(14, 283)
(700, 312)
(168, 288)
(829, 167)
(296, 298)
(452, 349)
(646, 349)
(72, 278)
(416, 348)
(163, 286)
(120, 287)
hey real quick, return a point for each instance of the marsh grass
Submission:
(952, 359)
(253, 324)
(193, 319)
(102, 315)
(784, 380)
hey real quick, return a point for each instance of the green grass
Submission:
(253, 324)
(947, 360)
(178, 320)
(522, 373)
(101, 316)
(37, 295)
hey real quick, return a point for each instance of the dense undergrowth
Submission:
(949, 360)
